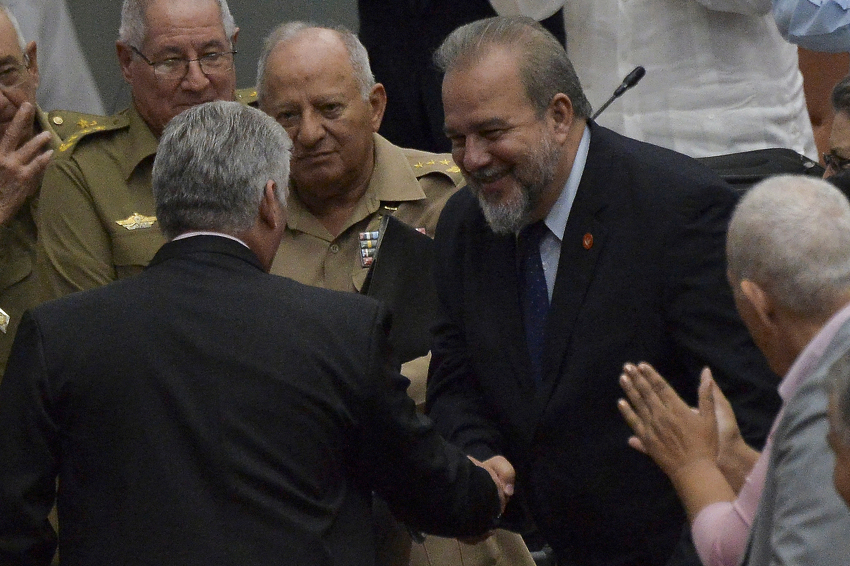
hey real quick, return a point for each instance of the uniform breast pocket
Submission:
(14, 269)
(133, 250)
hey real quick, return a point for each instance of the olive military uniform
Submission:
(97, 216)
(18, 288)
(413, 186)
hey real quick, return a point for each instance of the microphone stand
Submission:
(631, 80)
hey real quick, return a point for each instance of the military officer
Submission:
(345, 178)
(28, 138)
(96, 216)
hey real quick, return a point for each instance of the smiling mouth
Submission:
(484, 178)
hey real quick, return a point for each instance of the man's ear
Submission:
(32, 56)
(561, 115)
(762, 303)
(377, 105)
(271, 213)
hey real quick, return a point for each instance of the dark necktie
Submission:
(534, 293)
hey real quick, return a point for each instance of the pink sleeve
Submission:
(720, 530)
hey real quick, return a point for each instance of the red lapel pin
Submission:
(587, 241)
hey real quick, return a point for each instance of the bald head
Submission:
(318, 38)
(791, 236)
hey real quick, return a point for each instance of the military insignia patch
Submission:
(4, 321)
(137, 222)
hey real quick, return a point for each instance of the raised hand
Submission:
(22, 162)
(665, 427)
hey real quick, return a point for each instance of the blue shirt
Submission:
(820, 25)
(556, 220)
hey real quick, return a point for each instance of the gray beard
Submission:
(511, 216)
(507, 217)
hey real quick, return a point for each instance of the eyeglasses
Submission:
(175, 68)
(13, 73)
(835, 162)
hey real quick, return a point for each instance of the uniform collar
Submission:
(142, 143)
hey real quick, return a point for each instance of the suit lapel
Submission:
(584, 240)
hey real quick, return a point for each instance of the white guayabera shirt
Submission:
(719, 77)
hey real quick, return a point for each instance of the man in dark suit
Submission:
(206, 412)
(628, 253)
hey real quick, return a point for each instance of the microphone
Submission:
(631, 80)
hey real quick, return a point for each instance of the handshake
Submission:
(503, 475)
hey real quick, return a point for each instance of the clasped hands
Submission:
(504, 476)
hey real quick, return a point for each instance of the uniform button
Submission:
(334, 248)
(58, 120)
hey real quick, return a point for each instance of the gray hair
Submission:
(212, 165)
(841, 96)
(790, 234)
(544, 67)
(134, 23)
(357, 55)
(17, 27)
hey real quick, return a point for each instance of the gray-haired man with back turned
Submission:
(206, 412)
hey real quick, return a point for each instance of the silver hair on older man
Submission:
(212, 166)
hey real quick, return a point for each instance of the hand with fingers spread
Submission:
(22, 162)
(668, 430)
(681, 440)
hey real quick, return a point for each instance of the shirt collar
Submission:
(556, 220)
(185, 235)
(812, 354)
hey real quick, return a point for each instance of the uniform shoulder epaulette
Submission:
(425, 163)
(247, 96)
(71, 127)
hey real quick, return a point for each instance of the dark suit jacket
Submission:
(651, 287)
(206, 412)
